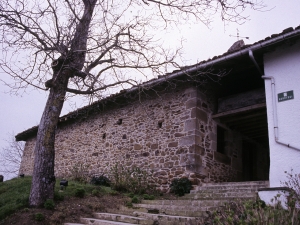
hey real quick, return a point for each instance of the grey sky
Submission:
(20, 113)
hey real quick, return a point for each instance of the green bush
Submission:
(148, 197)
(135, 199)
(96, 192)
(113, 193)
(100, 180)
(79, 172)
(180, 186)
(49, 204)
(253, 213)
(129, 204)
(39, 217)
(58, 196)
(133, 180)
(130, 195)
(79, 192)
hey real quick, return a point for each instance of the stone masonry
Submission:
(172, 135)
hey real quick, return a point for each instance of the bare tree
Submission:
(10, 157)
(86, 47)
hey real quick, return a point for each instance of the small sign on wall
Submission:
(285, 96)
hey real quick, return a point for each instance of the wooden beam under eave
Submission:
(240, 110)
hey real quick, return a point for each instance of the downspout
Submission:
(275, 118)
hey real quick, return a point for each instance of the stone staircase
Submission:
(186, 210)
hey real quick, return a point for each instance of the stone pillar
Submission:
(196, 128)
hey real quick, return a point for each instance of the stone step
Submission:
(188, 202)
(221, 195)
(186, 210)
(93, 221)
(244, 187)
(123, 218)
(230, 184)
(73, 224)
(175, 210)
(168, 219)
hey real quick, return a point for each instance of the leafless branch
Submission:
(10, 157)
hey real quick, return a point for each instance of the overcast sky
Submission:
(20, 113)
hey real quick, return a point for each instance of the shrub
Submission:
(79, 172)
(135, 199)
(180, 186)
(252, 212)
(58, 196)
(79, 192)
(49, 204)
(293, 182)
(113, 193)
(130, 195)
(100, 180)
(39, 217)
(148, 197)
(129, 204)
(133, 180)
(96, 192)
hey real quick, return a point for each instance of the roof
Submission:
(259, 47)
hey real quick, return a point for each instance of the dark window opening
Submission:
(221, 140)
(119, 122)
(159, 125)
(104, 136)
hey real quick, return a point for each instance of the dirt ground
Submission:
(68, 210)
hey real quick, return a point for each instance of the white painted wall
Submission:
(284, 65)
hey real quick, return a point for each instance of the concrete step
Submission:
(190, 211)
(93, 221)
(221, 195)
(187, 202)
(231, 184)
(186, 210)
(73, 224)
(244, 186)
(127, 218)
(169, 219)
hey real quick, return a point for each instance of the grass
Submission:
(14, 194)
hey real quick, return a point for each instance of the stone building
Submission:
(208, 122)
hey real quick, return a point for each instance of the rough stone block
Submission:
(187, 140)
(199, 114)
(197, 150)
(173, 144)
(179, 134)
(137, 147)
(192, 103)
(145, 154)
(198, 140)
(191, 125)
(154, 146)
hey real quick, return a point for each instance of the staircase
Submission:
(186, 210)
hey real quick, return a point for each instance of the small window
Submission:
(221, 140)
(104, 136)
(119, 122)
(159, 124)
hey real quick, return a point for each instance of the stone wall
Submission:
(172, 135)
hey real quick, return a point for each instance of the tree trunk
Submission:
(43, 180)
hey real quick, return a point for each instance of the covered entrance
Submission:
(241, 108)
